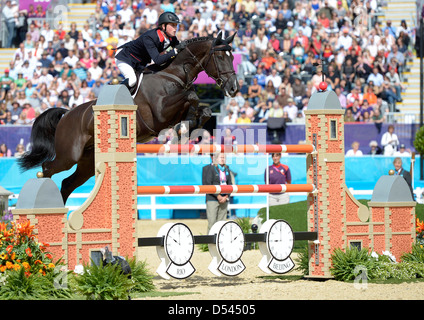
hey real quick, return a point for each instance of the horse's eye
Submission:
(221, 57)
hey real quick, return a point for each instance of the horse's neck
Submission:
(195, 57)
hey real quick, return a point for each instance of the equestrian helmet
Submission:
(168, 17)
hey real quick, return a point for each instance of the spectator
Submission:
(10, 12)
(3, 114)
(395, 82)
(23, 120)
(375, 77)
(345, 40)
(20, 150)
(374, 148)
(233, 106)
(397, 57)
(390, 28)
(388, 93)
(291, 109)
(369, 95)
(5, 151)
(341, 96)
(377, 118)
(76, 99)
(71, 59)
(354, 151)
(262, 111)
(230, 118)
(389, 141)
(5, 81)
(95, 71)
(254, 91)
(276, 111)
(261, 76)
(250, 112)
(243, 119)
(275, 78)
(282, 96)
(402, 152)
(29, 112)
(298, 52)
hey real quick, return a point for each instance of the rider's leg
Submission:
(128, 72)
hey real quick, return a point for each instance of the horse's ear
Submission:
(218, 37)
(230, 38)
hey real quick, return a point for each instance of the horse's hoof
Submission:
(40, 174)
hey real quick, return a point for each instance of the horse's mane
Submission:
(198, 39)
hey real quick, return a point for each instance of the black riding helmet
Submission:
(168, 17)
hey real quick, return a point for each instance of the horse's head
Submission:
(220, 65)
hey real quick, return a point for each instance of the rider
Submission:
(159, 44)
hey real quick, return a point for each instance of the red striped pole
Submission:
(214, 148)
(216, 189)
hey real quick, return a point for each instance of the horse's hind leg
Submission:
(84, 171)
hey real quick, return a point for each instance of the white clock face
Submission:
(280, 240)
(230, 241)
(179, 244)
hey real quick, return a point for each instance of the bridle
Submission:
(219, 80)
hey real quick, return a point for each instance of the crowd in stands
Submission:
(286, 45)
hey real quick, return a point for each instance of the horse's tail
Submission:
(42, 139)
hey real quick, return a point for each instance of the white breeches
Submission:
(126, 70)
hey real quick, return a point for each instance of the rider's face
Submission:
(171, 29)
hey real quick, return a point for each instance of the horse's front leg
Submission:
(197, 115)
(193, 108)
(205, 114)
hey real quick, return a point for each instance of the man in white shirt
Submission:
(213, 21)
(47, 33)
(291, 109)
(95, 70)
(306, 30)
(151, 14)
(376, 77)
(402, 152)
(10, 12)
(45, 77)
(230, 118)
(275, 78)
(125, 13)
(71, 59)
(200, 21)
(345, 40)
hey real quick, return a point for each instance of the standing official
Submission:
(217, 173)
(278, 174)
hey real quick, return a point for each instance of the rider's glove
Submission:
(180, 47)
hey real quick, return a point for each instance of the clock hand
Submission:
(174, 240)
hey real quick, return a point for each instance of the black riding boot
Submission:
(125, 83)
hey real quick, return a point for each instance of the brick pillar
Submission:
(327, 212)
(109, 216)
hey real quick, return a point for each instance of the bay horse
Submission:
(62, 138)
